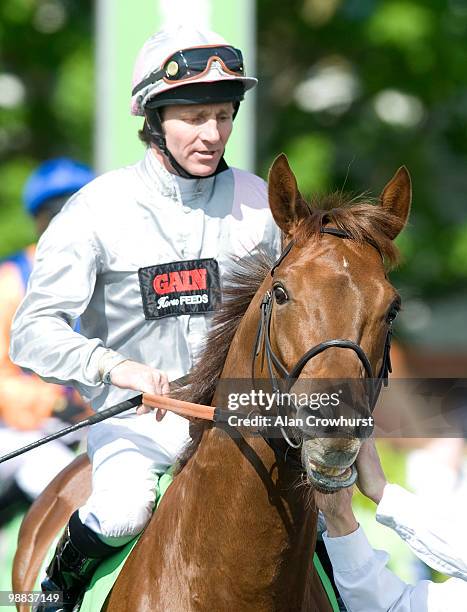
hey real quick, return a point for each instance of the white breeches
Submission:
(35, 469)
(126, 452)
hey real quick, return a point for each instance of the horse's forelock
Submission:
(362, 218)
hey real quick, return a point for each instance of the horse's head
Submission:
(328, 314)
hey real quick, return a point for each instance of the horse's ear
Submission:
(396, 199)
(285, 200)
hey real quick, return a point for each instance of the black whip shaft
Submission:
(95, 418)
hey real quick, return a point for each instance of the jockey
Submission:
(26, 401)
(139, 255)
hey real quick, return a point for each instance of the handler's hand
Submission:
(337, 510)
(133, 375)
(371, 479)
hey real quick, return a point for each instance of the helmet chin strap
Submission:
(159, 140)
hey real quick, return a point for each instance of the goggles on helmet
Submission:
(193, 62)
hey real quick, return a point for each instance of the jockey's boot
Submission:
(78, 553)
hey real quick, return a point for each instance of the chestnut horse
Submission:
(234, 531)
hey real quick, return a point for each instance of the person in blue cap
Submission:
(51, 185)
(26, 401)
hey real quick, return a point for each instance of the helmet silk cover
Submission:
(157, 49)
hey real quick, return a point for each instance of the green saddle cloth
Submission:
(107, 573)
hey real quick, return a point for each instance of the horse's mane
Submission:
(238, 289)
(360, 218)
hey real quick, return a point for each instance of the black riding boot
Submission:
(78, 553)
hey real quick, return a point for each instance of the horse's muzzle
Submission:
(329, 470)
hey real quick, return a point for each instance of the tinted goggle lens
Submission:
(189, 62)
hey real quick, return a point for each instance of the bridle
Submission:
(263, 341)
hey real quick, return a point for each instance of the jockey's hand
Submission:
(371, 479)
(139, 377)
(337, 510)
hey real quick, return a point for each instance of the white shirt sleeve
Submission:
(438, 540)
(366, 585)
(59, 290)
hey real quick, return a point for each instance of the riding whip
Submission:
(95, 418)
(182, 408)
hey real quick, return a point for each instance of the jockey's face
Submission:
(196, 135)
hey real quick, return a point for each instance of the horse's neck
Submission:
(266, 522)
(256, 496)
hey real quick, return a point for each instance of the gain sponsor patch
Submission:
(180, 287)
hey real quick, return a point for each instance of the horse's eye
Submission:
(280, 294)
(393, 312)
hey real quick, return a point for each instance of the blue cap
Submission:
(54, 178)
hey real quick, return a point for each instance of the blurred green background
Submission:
(349, 89)
(46, 98)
